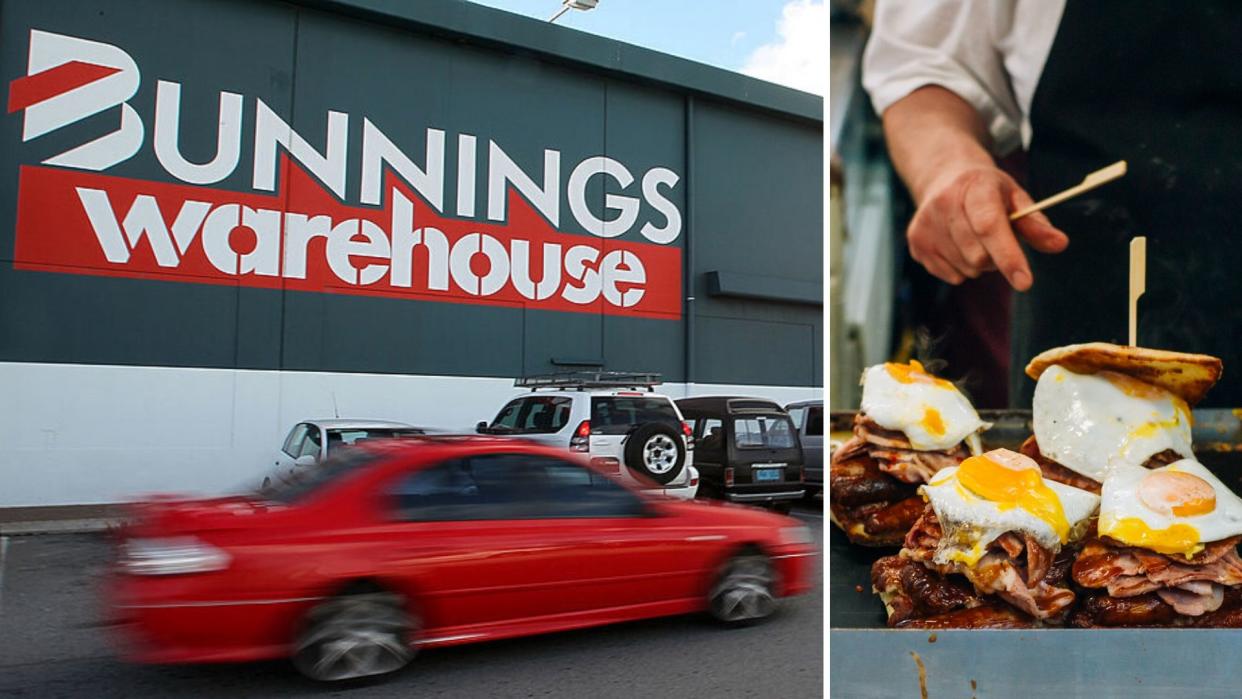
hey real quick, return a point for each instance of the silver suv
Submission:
(616, 419)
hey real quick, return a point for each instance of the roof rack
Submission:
(580, 380)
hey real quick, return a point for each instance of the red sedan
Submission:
(395, 546)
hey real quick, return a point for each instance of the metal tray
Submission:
(867, 659)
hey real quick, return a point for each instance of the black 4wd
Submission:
(746, 450)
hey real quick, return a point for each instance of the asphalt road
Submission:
(52, 644)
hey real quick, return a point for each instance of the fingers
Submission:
(963, 229)
(942, 269)
(1035, 228)
(965, 251)
(922, 242)
(984, 205)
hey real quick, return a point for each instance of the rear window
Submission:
(347, 437)
(763, 432)
(796, 414)
(815, 422)
(618, 414)
(533, 415)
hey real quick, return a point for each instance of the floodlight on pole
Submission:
(567, 5)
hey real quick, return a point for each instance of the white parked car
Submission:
(312, 440)
(615, 419)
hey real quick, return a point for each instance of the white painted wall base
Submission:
(73, 434)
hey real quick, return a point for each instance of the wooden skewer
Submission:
(1088, 183)
(1138, 282)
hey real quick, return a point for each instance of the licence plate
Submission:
(766, 475)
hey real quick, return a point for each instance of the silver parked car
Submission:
(312, 440)
(808, 417)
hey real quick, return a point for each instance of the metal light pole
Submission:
(567, 5)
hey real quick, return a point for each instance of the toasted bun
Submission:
(1188, 376)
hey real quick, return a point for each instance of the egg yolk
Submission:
(1177, 492)
(915, 373)
(933, 422)
(1179, 538)
(1023, 488)
(968, 557)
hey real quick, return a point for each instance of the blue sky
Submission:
(723, 33)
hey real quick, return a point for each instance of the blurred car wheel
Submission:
(744, 591)
(355, 635)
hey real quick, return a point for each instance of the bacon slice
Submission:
(1194, 599)
(896, 457)
(1189, 587)
(1107, 563)
(997, 574)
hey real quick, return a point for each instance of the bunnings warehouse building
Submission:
(219, 217)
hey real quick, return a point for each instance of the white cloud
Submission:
(799, 56)
(737, 36)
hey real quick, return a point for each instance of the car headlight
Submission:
(797, 535)
(171, 556)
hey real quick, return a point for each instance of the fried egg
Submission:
(930, 411)
(1091, 423)
(1003, 491)
(1175, 509)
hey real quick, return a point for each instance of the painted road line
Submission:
(4, 549)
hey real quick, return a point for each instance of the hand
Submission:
(962, 227)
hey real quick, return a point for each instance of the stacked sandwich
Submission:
(992, 548)
(1165, 549)
(911, 425)
(1161, 550)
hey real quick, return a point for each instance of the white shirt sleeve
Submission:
(959, 45)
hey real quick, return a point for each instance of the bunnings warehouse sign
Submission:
(294, 227)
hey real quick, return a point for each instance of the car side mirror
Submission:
(305, 460)
(481, 428)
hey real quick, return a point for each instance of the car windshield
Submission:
(532, 415)
(619, 414)
(355, 435)
(763, 432)
(288, 487)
